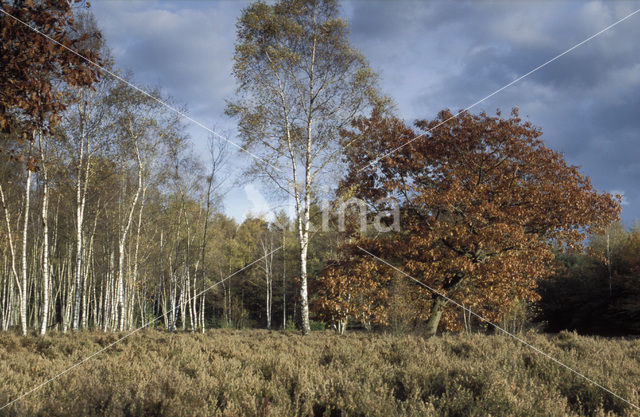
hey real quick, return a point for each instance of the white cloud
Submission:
(624, 201)
(259, 205)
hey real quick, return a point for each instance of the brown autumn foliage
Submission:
(483, 201)
(352, 289)
(31, 65)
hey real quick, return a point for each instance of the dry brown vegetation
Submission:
(260, 373)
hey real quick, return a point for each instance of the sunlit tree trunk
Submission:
(267, 250)
(121, 308)
(69, 290)
(25, 266)
(434, 316)
(202, 300)
(45, 242)
(284, 280)
(175, 298)
(186, 280)
(81, 194)
(137, 244)
(14, 273)
(172, 297)
(90, 274)
(182, 298)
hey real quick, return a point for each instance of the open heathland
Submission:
(261, 373)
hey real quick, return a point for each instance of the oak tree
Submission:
(483, 201)
(352, 288)
(33, 65)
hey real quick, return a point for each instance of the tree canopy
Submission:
(483, 203)
(33, 65)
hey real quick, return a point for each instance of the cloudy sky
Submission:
(430, 55)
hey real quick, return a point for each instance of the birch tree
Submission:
(13, 278)
(266, 244)
(299, 83)
(45, 236)
(25, 228)
(218, 154)
(142, 127)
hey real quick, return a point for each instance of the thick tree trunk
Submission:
(303, 241)
(183, 299)
(305, 221)
(120, 309)
(269, 305)
(172, 298)
(304, 297)
(202, 299)
(228, 305)
(186, 279)
(435, 315)
(78, 269)
(305, 225)
(267, 248)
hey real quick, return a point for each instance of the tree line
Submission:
(111, 221)
(596, 291)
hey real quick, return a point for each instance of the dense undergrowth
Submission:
(260, 373)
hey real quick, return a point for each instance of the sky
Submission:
(430, 55)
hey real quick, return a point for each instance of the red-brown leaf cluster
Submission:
(483, 201)
(31, 66)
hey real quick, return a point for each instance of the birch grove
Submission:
(111, 217)
(98, 234)
(119, 225)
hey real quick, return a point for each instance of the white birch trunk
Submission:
(14, 272)
(24, 292)
(284, 280)
(121, 308)
(45, 243)
(137, 246)
(80, 205)
(89, 257)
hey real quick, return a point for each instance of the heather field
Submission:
(437, 202)
(260, 373)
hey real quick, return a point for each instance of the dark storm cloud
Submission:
(186, 48)
(443, 55)
(433, 55)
